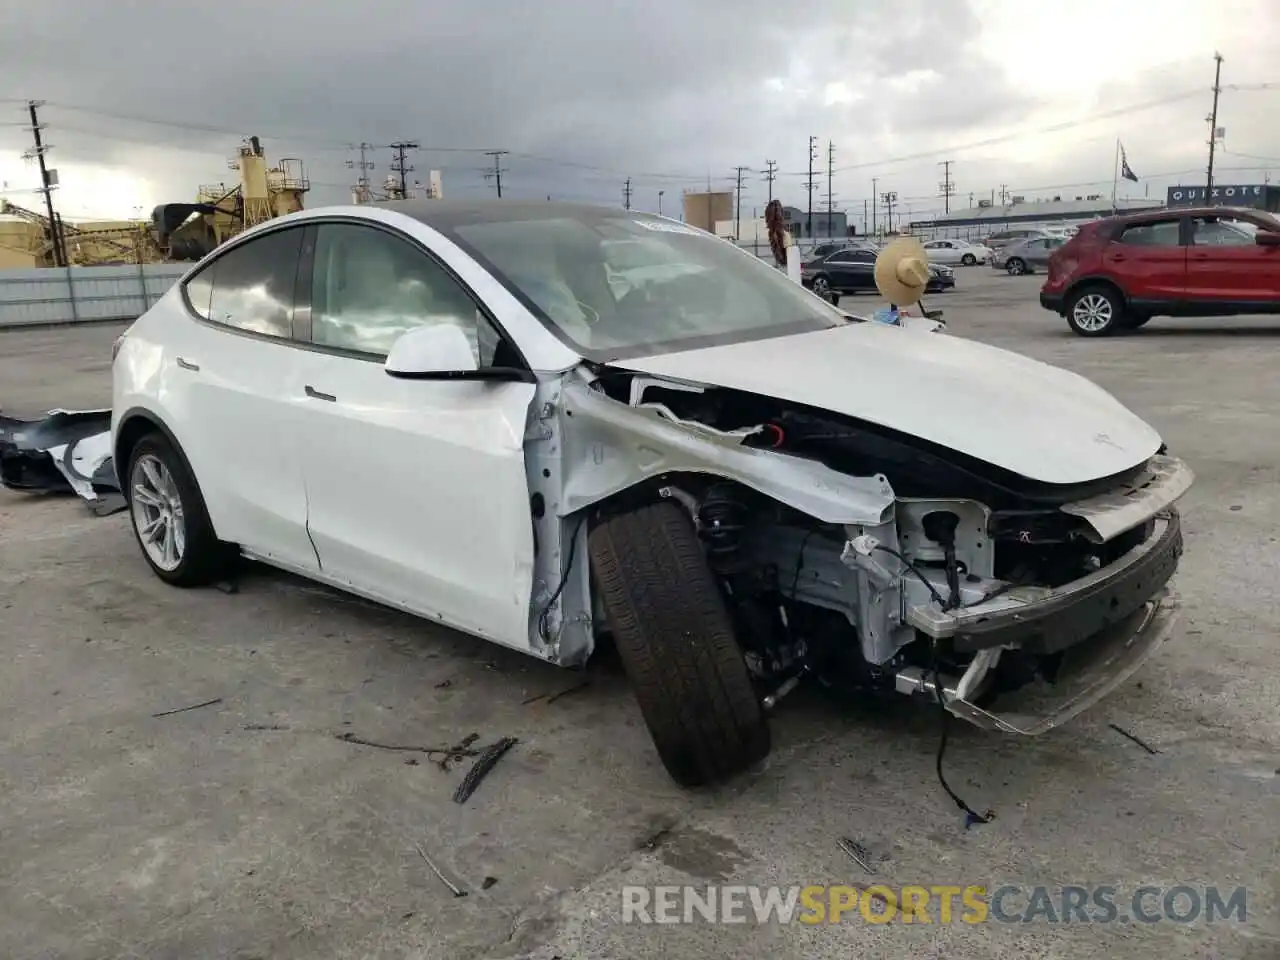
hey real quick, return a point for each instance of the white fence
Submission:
(83, 294)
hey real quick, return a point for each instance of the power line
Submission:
(948, 188)
(498, 170)
(1213, 122)
(400, 166)
(48, 180)
(770, 175)
(809, 184)
(737, 210)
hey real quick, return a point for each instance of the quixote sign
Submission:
(1233, 194)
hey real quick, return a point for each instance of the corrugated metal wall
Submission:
(80, 294)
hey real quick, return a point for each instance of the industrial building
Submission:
(1259, 196)
(986, 217)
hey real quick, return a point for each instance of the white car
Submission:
(956, 252)
(446, 408)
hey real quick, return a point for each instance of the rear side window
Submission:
(1163, 233)
(250, 287)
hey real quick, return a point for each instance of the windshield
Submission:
(617, 285)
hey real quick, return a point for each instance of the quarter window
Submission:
(369, 287)
(1213, 232)
(1163, 233)
(250, 287)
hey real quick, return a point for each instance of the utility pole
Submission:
(1004, 194)
(813, 155)
(1213, 124)
(660, 193)
(948, 188)
(770, 175)
(400, 166)
(362, 178)
(890, 197)
(626, 194)
(831, 197)
(737, 207)
(48, 181)
(874, 195)
(498, 169)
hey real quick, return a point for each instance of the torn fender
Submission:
(609, 446)
(67, 451)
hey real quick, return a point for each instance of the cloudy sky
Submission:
(145, 99)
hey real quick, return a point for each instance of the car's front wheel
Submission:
(1016, 266)
(675, 636)
(1095, 312)
(169, 517)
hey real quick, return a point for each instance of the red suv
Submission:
(1117, 273)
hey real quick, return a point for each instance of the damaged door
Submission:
(416, 490)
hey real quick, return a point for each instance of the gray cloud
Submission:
(669, 92)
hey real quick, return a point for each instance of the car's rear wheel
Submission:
(675, 636)
(822, 287)
(1016, 266)
(968, 259)
(1095, 312)
(169, 517)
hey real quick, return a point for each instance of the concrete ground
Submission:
(249, 828)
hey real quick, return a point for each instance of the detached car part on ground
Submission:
(744, 498)
(65, 451)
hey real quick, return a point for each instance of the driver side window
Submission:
(369, 286)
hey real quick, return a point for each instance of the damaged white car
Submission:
(450, 409)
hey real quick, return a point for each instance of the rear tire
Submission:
(201, 558)
(968, 260)
(1016, 266)
(1096, 311)
(676, 641)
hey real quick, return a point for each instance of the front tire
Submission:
(169, 518)
(675, 637)
(1016, 266)
(1095, 312)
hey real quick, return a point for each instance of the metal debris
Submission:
(488, 758)
(857, 853)
(450, 753)
(456, 890)
(1136, 739)
(194, 706)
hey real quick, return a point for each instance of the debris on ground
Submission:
(485, 762)
(68, 451)
(857, 853)
(459, 750)
(488, 882)
(1134, 737)
(555, 696)
(455, 752)
(456, 890)
(194, 706)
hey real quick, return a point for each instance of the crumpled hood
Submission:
(1028, 417)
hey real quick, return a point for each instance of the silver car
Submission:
(1026, 256)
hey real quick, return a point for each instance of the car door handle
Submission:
(317, 395)
(187, 364)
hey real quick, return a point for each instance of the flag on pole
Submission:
(1125, 171)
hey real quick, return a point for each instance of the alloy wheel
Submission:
(157, 512)
(822, 288)
(1093, 312)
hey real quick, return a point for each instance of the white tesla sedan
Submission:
(448, 408)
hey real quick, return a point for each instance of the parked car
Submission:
(1026, 256)
(445, 407)
(1119, 272)
(952, 252)
(853, 271)
(1005, 237)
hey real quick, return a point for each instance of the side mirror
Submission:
(1267, 238)
(435, 351)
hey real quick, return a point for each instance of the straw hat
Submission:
(902, 271)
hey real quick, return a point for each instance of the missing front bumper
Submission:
(1089, 671)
